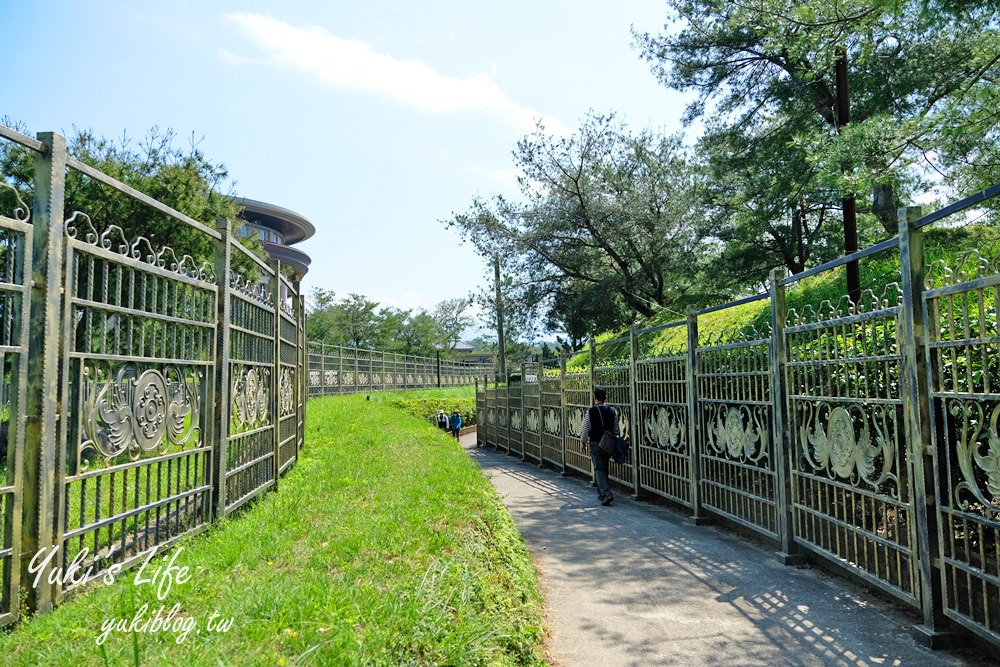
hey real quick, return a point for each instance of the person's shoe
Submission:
(607, 500)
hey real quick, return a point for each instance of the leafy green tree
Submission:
(604, 211)
(183, 178)
(452, 318)
(320, 320)
(356, 321)
(922, 77)
(518, 302)
(585, 310)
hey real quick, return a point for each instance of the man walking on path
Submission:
(599, 418)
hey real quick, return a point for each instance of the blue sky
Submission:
(375, 120)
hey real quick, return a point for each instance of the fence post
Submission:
(524, 375)
(38, 493)
(223, 260)
(694, 461)
(340, 370)
(484, 418)
(781, 455)
(274, 405)
(916, 405)
(302, 370)
(592, 353)
(633, 396)
(562, 413)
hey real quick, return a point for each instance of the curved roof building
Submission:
(278, 228)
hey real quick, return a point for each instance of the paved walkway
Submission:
(633, 584)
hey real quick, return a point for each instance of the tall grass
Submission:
(384, 545)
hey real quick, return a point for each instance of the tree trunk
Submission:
(884, 206)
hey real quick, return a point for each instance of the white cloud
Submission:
(353, 65)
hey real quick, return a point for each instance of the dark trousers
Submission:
(600, 459)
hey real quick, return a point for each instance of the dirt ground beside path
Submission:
(634, 585)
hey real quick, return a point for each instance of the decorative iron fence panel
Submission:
(250, 445)
(481, 425)
(138, 359)
(963, 345)
(15, 283)
(550, 396)
(851, 478)
(661, 444)
(532, 408)
(288, 375)
(616, 379)
(738, 477)
(515, 418)
(501, 418)
(576, 387)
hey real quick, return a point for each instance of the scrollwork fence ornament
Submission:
(747, 334)
(250, 398)
(574, 423)
(832, 443)
(978, 461)
(665, 429)
(21, 212)
(531, 420)
(114, 240)
(131, 412)
(253, 289)
(738, 432)
(892, 295)
(286, 393)
(551, 423)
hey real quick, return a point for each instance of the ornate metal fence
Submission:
(735, 423)
(532, 413)
(347, 370)
(145, 392)
(661, 453)
(862, 434)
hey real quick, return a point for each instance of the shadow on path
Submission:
(633, 584)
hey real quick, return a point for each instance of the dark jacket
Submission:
(602, 418)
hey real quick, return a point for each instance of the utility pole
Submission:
(501, 355)
(843, 117)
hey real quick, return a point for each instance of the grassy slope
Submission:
(950, 245)
(384, 546)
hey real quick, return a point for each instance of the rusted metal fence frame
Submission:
(128, 372)
(845, 435)
(335, 369)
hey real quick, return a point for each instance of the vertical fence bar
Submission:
(562, 413)
(789, 552)
(273, 404)
(916, 416)
(223, 260)
(592, 353)
(633, 399)
(48, 245)
(524, 377)
(303, 369)
(698, 516)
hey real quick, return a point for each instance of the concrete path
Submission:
(633, 584)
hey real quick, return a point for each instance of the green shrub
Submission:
(427, 408)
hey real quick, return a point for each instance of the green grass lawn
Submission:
(385, 545)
